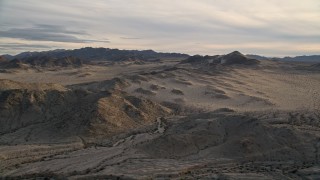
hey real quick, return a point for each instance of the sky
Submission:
(264, 27)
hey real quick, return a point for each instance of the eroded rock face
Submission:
(55, 114)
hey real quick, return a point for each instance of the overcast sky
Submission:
(266, 27)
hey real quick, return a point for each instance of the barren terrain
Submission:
(226, 117)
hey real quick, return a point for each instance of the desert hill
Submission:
(53, 113)
(234, 58)
(227, 134)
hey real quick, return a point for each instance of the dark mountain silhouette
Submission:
(102, 54)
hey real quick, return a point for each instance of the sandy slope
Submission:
(242, 88)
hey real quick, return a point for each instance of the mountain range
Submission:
(99, 54)
(107, 54)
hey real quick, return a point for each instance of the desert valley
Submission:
(97, 113)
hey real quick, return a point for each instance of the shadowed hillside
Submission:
(52, 113)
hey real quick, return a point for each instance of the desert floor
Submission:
(234, 122)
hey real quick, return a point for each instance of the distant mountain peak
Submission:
(235, 53)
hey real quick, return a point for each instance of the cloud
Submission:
(21, 45)
(44, 32)
(13, 48)
(166, 25)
